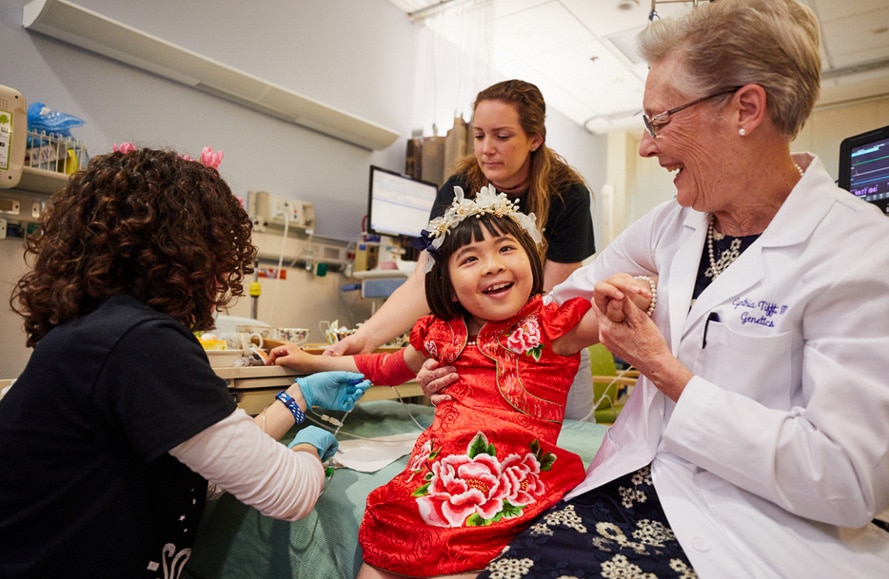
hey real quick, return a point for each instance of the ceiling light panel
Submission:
(548, 42)
(864, 45)
(828, 10)
(540, 29)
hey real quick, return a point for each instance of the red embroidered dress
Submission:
(488, 464)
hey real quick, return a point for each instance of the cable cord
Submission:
(310, 233)
(613, 382)
(602, 398)
(280, 265)
(325, 421)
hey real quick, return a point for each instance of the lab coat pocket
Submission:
(757, 366)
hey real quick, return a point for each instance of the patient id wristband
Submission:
(288, 401)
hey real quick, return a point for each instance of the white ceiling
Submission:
(581, 52)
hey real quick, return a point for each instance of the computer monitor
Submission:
(864, 166)
(397, 204)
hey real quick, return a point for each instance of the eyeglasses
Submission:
(659, 120)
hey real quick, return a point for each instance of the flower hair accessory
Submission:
(486, 202)
(209, 157)
(124, 148)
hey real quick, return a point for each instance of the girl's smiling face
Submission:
(492, 278)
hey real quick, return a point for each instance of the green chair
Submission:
(609, 386)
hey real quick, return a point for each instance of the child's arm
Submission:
(294, 357)
(608, 300)
(585, 333)
(390, 369)
(382, 369)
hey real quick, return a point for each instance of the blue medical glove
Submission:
(321, 439)
(333, 390)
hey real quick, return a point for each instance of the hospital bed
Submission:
(235, 541)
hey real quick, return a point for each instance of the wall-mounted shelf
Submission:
(81, 27)
(41, 181)
(41, 170)
(46, 162)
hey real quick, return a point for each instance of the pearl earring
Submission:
(742, 132)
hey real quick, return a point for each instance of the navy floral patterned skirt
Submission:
(618, 530)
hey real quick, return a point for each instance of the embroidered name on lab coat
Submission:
(759, 312)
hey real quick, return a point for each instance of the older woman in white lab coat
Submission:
(761, 422)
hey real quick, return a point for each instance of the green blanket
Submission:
(235, 541)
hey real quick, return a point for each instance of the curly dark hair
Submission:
(440, 295)
(165, 230)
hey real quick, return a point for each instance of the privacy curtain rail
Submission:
(89, 30)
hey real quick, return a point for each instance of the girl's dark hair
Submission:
(440, 293)
(167, 231)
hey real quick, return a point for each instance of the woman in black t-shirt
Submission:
(117, 423)
(510, 153)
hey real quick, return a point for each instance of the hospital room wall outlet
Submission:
(299, 213)
(297, 247)
(269, 210)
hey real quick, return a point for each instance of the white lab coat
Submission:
(776, 456)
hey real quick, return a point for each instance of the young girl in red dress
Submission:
(489, 463)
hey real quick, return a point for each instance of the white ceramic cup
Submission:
(233, 341)
(249, 333)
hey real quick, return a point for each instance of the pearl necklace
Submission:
(728, 256)
(732, 253)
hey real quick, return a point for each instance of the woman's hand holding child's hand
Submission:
(353, 344)
(610, 294)
(332, 389)
(290, 355)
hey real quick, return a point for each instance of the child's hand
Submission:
(292, 356)
(610, 294)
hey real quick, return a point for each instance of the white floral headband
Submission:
(486, 202)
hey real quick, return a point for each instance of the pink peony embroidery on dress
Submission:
(419, 461)
(526, 338)
(477, 488)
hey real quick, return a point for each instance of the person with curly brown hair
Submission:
(118, 421)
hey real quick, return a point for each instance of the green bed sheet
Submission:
(235, 541)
